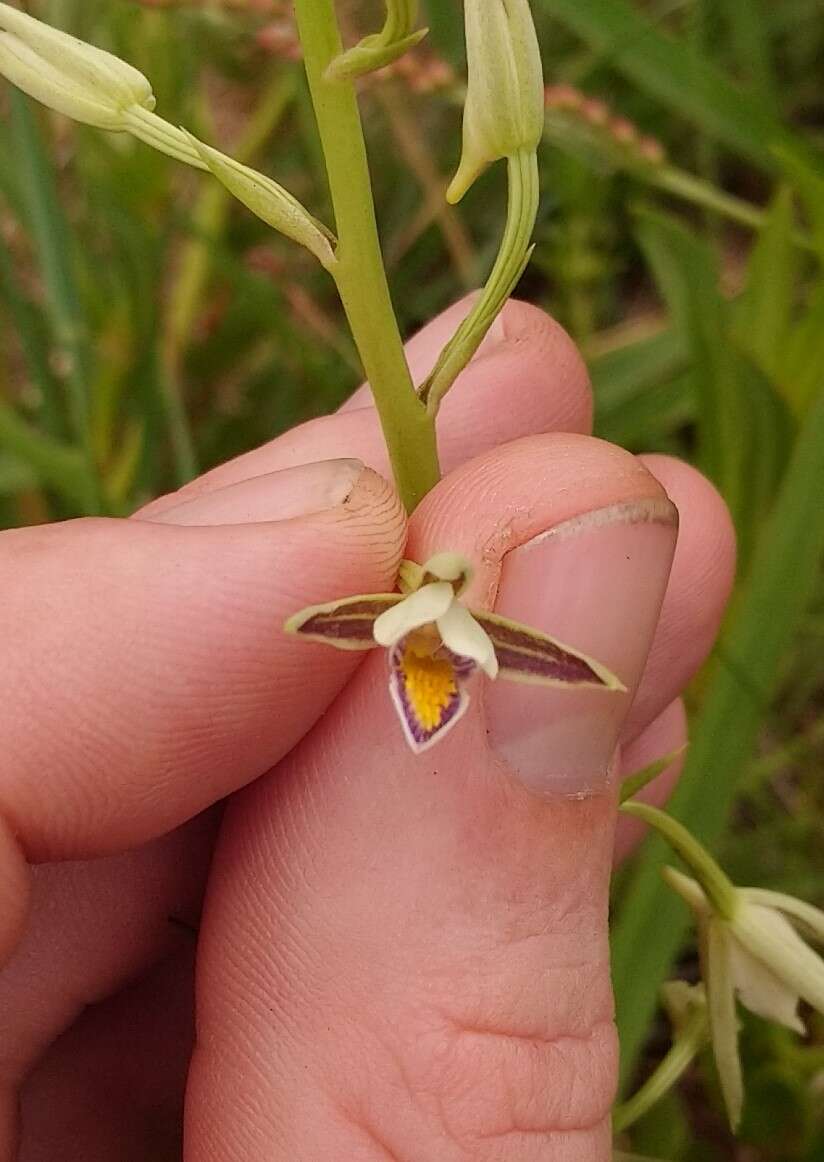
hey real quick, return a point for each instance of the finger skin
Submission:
(407, 957)
(111, 1088)
(97, 920)
(163, 679)
(540, 378)
(531, 380)
(14, 891)
(700, 584)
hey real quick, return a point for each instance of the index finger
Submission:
(528, 378)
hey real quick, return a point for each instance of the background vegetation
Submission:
(148, 330)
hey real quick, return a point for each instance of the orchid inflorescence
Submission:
(754, 949)
(436, 645)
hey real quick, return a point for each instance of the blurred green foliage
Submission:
(149, 330)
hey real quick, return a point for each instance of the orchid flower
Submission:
(757, 955)
(436, 645)
(752, 949)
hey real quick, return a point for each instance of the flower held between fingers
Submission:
(436, 645)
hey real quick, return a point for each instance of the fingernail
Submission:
(596, 583)
(292, 492)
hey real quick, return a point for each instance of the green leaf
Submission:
(783, 578)
(686, 270)
(15, 475)
(809, 181)
(802, 368)
(764, 311)
(751, 39)
(642, 394)
(52, 237)
(34, 343)
(54, 464)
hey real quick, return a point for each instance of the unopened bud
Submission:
(383, 48)
(270, 202)
(67, 75)
(504, 111)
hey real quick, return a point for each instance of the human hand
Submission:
(400, 957)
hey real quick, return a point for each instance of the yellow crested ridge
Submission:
(429, 683)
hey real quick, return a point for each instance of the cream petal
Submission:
(423, 606)
(762, 992)
(805, 916)
(462, 634)
(449, 567)
(771, 938)
(723, 1021)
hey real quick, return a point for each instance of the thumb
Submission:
(421, 969)
(146, 674)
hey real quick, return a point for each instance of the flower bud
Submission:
(270, 202)
(504, 111)
(396, 38)
(69, 76)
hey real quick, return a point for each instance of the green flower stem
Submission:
(162, 136)
(688, 1043)
(409, 430)
(513, 256)
(718, 888)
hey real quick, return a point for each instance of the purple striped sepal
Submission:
(436, 645)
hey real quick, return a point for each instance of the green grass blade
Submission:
(767, 617)
(689, 84)
(642, 394)
(750, 37)
(800, 371)
(809, 182)
(15, 475)
(764, 311)
(50, 232)
(34, 345)
(54, 464)
(687, 273)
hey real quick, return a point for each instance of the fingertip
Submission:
(527, 377)
(701, 581)
(273, 496)
(497, 501)
(707, 534)
(161, 679)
